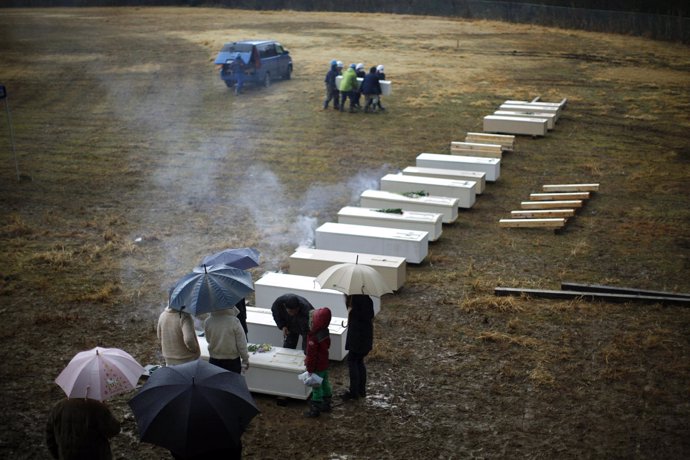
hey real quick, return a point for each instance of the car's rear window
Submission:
(236, 48)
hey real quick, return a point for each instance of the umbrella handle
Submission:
(342, 323)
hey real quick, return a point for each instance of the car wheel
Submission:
(229, 84)
(267, 80)
(288, 74)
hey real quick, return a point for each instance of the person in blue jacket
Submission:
(371, 88)
(332, 92)
(237, 67)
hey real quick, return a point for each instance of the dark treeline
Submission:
(659, 19)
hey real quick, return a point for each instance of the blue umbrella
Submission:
(212, 288)
(193, 408)
(243, 258)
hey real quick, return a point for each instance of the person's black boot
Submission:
(314, 410)
(326, 405)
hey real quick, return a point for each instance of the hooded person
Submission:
(382, 76)
(348, 88)
(291, 315)
(361, 73)
(177, 336)
(227, 342)
(332, 92)
(371, 88)
(316, 360)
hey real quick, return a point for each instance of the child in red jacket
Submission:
(316, 360)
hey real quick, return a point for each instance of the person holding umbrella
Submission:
(291, 315)
(81, 428)
(176, 333)
(359, 341)
(81, 425)
(227, 342)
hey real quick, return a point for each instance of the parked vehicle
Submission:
(262, 62)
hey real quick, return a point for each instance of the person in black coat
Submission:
(382, 76)
(359, 342)
(331, 88)
(371, 88)
(291, 314)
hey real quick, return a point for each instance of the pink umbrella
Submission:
(99, 373)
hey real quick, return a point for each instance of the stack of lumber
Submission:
(532, 118)
(550, 208)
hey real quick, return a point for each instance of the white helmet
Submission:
(360, 66)
(339, 64)
(379, 68)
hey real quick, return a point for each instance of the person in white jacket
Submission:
(176, 333)
(227, 342)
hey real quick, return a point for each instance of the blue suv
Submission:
(262, 61)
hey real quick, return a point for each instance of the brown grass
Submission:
(142, 164)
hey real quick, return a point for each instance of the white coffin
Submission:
(490, 166)
(462, 190)
(272, 285)
(479, 178)
(445, 205)
(385, 84)
(409, 220)
(263, 329)
(410, 244)
(311, 262)
(556, 111)
(273, 372)
(515, 125)
(550, 117)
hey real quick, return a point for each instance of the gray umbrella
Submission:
(212, 288)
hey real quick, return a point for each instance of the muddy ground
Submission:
(135, 161)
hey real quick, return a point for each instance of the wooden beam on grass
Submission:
(620, 290)
(556, 204)
(571, 188)
(590, 296)
(556, 222)
(541, 213)
(559, 196)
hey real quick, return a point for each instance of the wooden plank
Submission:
(476, 146)
(552, 294)
(506, 141)
(556, 204)
(541, 213)
(620, 290)
(559, 196)
(571, 188)
(555, 222)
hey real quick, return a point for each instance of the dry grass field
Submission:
(136, 161)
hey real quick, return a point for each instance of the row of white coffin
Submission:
(367, 229)
(522, 117)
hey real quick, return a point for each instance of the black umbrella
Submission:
(193, 408)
